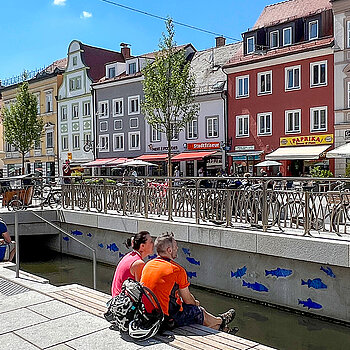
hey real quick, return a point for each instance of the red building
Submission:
(280, 90)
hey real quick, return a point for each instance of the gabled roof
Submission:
(59, 64)
(288, 10)
(95, 58)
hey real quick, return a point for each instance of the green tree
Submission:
(22, 125)
(169, 85)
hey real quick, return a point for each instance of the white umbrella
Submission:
(268, 163)
(136, 163)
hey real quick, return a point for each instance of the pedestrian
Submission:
(168, 281)
(6, 240)
(201, 172)
(67, 172)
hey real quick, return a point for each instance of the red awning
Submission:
(117, 161)
(153, 157)
(98, 162)
(192, 156)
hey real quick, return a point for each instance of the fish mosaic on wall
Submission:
(112, 247)
(258, 287)
(150, 257)
(309, 304)
(239, 273)
(316, 283)
(89, 234)
(193, 261)
(186, 251)
(279, 272)
(328, 271)
(100, 245)
(121, 255)
(66, 238)
(191, 274)
(76, 233)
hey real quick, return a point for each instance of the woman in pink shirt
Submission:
(132, 263)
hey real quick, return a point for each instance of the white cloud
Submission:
(86, 14)
(59, 2)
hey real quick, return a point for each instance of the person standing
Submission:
(131, 265)
(66, 172)
(201, 172)
(6, 239)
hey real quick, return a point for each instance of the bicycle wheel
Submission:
(55, 200)
(15, 204)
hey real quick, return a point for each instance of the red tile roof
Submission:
(240, 59)
(288, 10)
(95, 58)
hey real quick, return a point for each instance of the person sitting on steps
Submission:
(6, 239)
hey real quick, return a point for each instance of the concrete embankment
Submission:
(304, 273)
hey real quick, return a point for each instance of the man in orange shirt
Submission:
(168, 281)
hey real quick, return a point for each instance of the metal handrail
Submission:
(70, 236)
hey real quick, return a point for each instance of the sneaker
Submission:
(227, 317)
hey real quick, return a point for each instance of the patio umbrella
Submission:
(136, 163)
(268, 163)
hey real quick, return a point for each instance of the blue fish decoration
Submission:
(89, 234)
(112, 247)
(239, 273)
(100, 245)
(150, 257)
(121, 255)
(186, 251)
(328, 271)
(258, 287)
(309, 304)
(76, 233)
(193, 261)
(315, 283)
(66, 238)
(191, 274)
(278, 272)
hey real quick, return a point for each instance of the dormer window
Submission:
(75, 60)
(250, 45)
(274, 39)
(111, 72)
(313, 30)
(132, 68)
(287, 36)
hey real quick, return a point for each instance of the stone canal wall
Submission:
(303, 273)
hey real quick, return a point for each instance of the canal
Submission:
(266, 325)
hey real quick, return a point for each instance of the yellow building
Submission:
(43, 159)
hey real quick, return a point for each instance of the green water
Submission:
(266, 325)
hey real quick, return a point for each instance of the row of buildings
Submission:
(281, 94)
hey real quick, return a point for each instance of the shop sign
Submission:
(214, 162)
(347, 134)
(245, 148)
(161, 148)
(307, 140)
(203, 145)
(69, 155)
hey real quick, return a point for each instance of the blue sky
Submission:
(35, 33)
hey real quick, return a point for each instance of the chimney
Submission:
(220, 41)
(125, 50)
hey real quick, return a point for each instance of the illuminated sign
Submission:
(203, 145)
(307, 140)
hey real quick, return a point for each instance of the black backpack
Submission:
(128, 313)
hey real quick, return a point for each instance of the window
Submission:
(265, 124)
(250, 44)
(118, 124)
(287, 36)
(242, 86)
(265, 83)
(313, 30)
(86, 109)
(87, 138)
(318, 119)
(118, 107)
(74, 83)
(348, 94)
(155, 134)
(132, 68)
(242, 125)
(212, 127)
(292, 122)
(318, 72)
(64, 113)
(192, 129)
(134, 123)
(75, 60)
(293, 78)
(103, 109)
(103, 143)
(37, 144)
(49, 139)
(134, 140)
(134, 104)
(111, 72)
(37, 95)
(75, 111)
(118, 142)
(103, 126)
(274, 39)
(76, 141)
(348, 33)
(64, 143)
(48, 101)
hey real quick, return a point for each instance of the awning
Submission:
(342, 151)
(153, 157)
(301, 152)
(98, 162)
(117, 161)
(192, 156)
(245, 155)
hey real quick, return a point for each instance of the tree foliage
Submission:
(22, 125)
(169, 90)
